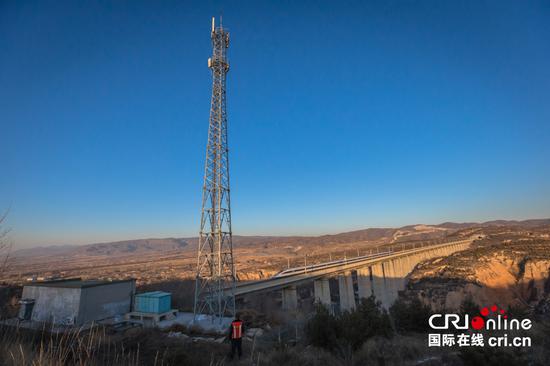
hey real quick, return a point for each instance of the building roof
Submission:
(153, 294)
(76, 283)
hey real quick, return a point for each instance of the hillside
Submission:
(510, 267)
(256, 257)
(163, 245)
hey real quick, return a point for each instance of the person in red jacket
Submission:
(236, 331)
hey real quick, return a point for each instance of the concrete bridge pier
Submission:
(290, 298)
(401, 271)
(321, 290)
(390, 281)
(364, 283)
(410, 264)
(345, 287)
(378, 283)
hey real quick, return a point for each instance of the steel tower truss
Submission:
(215, 276)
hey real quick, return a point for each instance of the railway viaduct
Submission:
(382, 274)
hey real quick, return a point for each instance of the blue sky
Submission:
(342, 115)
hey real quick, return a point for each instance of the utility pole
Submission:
(215, 276)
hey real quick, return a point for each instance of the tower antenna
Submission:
(215, 275)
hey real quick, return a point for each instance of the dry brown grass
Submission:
(19, 347)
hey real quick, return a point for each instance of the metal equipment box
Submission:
(153, 302)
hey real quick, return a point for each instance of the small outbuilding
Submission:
(151, 308)
(76, 302)
(153, 302)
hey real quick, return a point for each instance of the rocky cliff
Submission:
(510, 272)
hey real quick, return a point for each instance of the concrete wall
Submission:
(106, 301)
(53, 304)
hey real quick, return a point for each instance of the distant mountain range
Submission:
(379, 235)
(523, 223)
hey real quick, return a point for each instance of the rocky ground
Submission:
(510, 268)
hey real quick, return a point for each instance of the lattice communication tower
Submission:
(215, 276)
